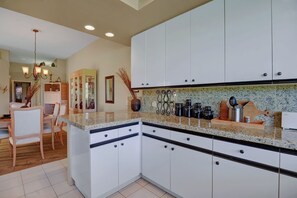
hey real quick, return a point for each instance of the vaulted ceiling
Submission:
(62, 24)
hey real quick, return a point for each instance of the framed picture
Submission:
(109, 89)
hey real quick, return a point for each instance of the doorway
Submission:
(19, 91)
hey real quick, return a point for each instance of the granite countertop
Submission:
(269, 136)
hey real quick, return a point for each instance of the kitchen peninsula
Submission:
(176, 152)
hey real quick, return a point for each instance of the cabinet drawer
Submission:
(246, 152)
(103, 136)
(156, 131)
(288, 162)
(193, 140)
(129, 130)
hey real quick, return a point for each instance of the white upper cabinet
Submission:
(207, 43)
(155, 56)
(284, 19)
(178, 50)
(148, 58)
(248, 40)
(138, 60)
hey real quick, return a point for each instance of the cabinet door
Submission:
(284, 17)
(288, 187)
(248, 40)
(138, 60)
(155, 56)
(191, 173)
(288, 183)
(178, 50)
(156, 161)
(207, 43)
(104, 169)
(233, 180)
(129, 159)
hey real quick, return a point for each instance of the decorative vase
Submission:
(135, 104)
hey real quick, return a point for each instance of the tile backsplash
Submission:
(275, 98)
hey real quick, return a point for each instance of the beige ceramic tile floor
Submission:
(49, 181)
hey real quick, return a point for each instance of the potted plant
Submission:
(135, 102)
(30, 93)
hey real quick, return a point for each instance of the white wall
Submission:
(106, 57)
(4, 81)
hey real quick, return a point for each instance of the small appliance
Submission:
(289, 120)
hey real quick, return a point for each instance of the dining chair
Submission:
(4, 133)
(57, 128)
(26, 127)
(55, 115)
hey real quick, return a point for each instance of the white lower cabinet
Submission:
(288, 182)
(129, 159)
(114, 164)
(156, 161)
(233, 180)
(288, 186)
(104, 169)
(191, 173)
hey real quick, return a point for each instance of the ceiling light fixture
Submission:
(37, 68)
(89, 27)
(109, 34)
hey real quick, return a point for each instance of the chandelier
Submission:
(37, 74)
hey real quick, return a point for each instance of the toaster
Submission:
(289, 120)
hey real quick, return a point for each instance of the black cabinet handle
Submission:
(105, 135)
(130, 129)
(217, 163)
(265, 74)
(147, 84)
(115, 146)
(122, 144)
(154, 131)
(279, 73)
(142, 83)
(165, 146)
(193, 80)
(188, 139)
(241, 151)
(186, 80)
(172, 149)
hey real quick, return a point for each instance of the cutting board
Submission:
(251, 110)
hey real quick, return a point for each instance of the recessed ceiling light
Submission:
(89, 27)
(109, 34)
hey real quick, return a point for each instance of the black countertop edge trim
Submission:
(247, 162)
(267, 82)
(226, 139)
(247, 143)
(288, 173)
(113, 127)
(113, 140)
(179, 130)
(179, 144)
(288, 151)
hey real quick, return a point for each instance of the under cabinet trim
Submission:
(179, 130)
(226, 139)
(288, 173)
(247, 162)
(113, 140)
(262, 82)
(202, 150)
(288, 151)
(113, 127)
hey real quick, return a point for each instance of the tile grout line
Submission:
(49, 181)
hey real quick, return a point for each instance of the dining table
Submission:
(47, 119)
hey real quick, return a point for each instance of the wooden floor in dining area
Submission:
(29, 155)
